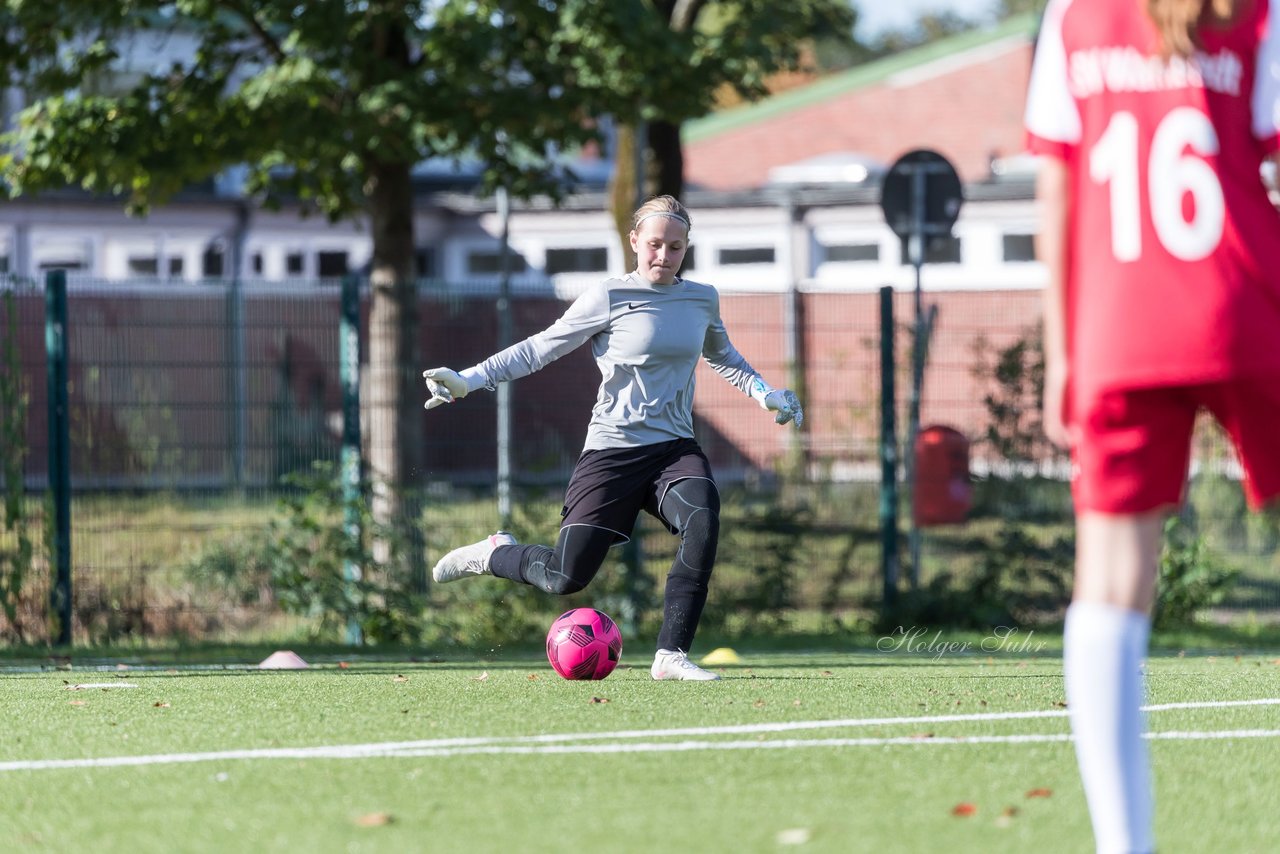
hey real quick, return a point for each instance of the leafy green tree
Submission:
(701, 46)
(331, 102)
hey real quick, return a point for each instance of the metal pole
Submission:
(55, 342)
(888, 454)
(349, 379)
(504, 341)
(917, 243)
(236, 347)
(793, 325)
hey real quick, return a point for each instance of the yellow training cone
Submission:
(721, 655)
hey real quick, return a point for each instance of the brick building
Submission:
(962, 97)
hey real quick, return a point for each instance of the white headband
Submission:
(671, 214)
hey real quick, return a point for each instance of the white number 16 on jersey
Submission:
(1172, 171)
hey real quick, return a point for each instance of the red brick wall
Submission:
(965, 114)
(150, 403)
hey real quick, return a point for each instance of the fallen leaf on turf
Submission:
(77, 702)
(1040, 793)
(964, 810)
(342, 665)
(825, 673)
(482, 677)
(533, 677)
(795, 702)
(1009, 811)
(375, 819)
(1061, 704)
(921, 735)
(160, 705)
(759, 704)
(599, 699)
(399, 678)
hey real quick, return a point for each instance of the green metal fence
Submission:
(188, 407)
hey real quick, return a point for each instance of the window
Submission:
(332, 264)
(293, 263)
(255, 263)
(753, 255)
(1019, 247)
(939, 250)
(139, 266)
(424, 262)
(175, 265)
(213, 262)
(4, 263)
(593, 259)
(61, 264)
(852, 252)
(487, 263)
(943, 250)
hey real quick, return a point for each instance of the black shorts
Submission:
(610, 487)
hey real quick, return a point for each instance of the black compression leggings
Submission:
(691, 506)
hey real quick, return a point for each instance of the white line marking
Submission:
(530, 744)
(679, 746)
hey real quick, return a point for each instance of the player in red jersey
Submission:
(1163, 253)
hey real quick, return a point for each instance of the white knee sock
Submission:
(1103, 648)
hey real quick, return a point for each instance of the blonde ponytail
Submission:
(1178, 20)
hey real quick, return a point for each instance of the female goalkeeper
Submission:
(647, 330)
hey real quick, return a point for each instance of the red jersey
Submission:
(1173, 252)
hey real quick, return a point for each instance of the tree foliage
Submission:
(142, 97)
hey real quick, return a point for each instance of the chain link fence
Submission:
(189, 408)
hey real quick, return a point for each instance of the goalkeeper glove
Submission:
(445, 386)
(782, 401)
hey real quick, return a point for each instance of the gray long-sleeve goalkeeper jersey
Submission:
(646, 340)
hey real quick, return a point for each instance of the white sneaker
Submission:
(470, 560)
(674, 664)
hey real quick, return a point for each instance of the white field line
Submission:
(547, 743)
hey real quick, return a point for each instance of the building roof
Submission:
(964, 93)
(958, 48)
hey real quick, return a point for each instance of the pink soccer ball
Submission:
(584, 644)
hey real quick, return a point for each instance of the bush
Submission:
(1017, 580)
(1191, 577)
(299, 562)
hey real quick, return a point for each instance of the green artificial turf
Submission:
(628, 788)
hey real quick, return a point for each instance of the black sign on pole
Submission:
(921, 198)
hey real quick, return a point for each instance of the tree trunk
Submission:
(664, 160)
(624, 189)
(394, 401)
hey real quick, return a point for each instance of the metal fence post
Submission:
(888, 454)
(505, 334)
(55, 342)
(349, 379)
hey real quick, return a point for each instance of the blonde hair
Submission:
(1178, 21)
(668, 206)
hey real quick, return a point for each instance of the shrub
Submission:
(1191, 578)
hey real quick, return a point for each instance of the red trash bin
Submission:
(943, 493)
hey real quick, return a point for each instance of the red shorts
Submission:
(1134, 446)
